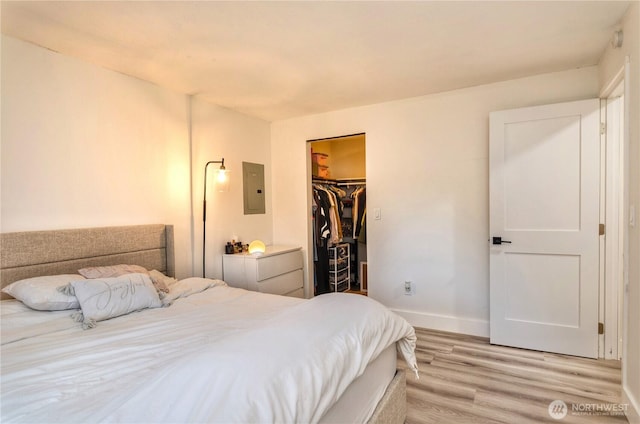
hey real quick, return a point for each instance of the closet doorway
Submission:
(338, 214)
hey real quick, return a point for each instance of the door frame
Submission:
(309, 288)
(614, 214)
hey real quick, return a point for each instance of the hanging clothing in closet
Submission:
(359, 196)
(327, 215)
(332, 227)
(321, 232)
(331, 211)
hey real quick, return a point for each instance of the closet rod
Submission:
(340, 181)
(351, 183)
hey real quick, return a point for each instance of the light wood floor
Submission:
(464, 379)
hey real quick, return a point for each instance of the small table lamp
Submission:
(256, 246)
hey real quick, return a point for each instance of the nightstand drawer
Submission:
(278, 271)
(272, 266)
(282, 284)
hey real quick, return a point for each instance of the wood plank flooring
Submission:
(464, 379)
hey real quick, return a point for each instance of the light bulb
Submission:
(222, 180)
(222, 175)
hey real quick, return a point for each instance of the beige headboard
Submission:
(37, 253)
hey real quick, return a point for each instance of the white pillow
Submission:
(189, 286)
(162, 282)
(110, 271)
(41, 292)
(106, 298)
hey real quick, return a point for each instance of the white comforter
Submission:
(222, 355)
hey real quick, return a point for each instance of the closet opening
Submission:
(338, 214)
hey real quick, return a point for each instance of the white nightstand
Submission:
(278, 271)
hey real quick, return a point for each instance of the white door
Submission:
(544, 205)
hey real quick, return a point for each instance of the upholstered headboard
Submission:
(37, 253)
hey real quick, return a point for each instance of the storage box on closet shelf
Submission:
(320, 165)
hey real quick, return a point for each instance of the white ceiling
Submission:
(276, 60)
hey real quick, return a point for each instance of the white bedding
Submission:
(221, 355)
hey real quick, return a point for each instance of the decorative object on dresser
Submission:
(257, 247)
(222, 181)
(277, 271)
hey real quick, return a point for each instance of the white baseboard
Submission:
(474, 327)
(633, 409)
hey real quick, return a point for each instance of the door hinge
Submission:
(603, 128)
(601, 229)
(600, 328)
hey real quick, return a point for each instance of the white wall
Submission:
(83, 146)
(221, 133)
(427, 170)
(612, 61)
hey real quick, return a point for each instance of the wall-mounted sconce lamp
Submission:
(222, 182)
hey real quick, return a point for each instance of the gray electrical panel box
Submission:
(253, 184)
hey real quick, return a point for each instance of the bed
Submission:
(206, 353)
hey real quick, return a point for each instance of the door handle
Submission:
(498, 240)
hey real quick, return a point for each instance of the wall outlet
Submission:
(409, 289)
